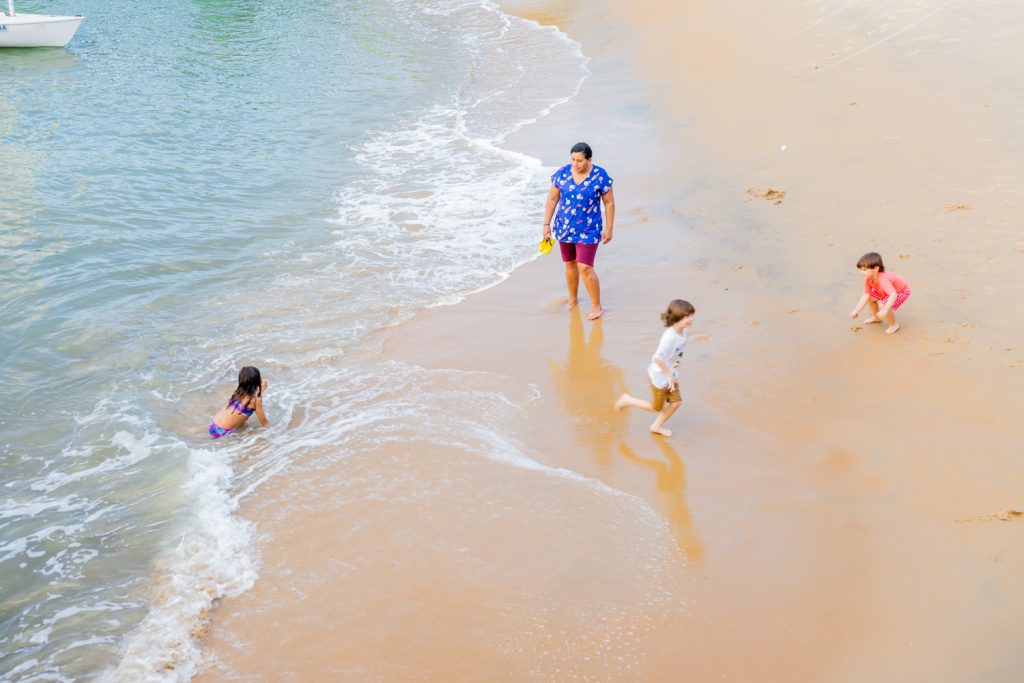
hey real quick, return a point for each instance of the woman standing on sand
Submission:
(577, 190)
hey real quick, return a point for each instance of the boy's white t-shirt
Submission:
(670, 351)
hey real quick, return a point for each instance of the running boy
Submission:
(663, 371)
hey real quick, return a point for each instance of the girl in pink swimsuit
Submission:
(247, 399)
(889, 288)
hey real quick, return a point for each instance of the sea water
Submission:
(191, 187)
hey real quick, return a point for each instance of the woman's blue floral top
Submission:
(578, 216)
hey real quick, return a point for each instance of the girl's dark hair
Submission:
(582, 147)
(676, 311)
(250, 385)
(871, 260)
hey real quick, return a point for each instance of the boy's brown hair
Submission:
(871, 260)
(676, 311)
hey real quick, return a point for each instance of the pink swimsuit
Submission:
(887, 285)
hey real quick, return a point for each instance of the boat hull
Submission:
(37, 30)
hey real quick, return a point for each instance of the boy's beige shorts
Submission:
(659, 397)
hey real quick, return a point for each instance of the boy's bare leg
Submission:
(658, 426)
(874, 313)
(627, 401)
(572, 282)
(593, 285)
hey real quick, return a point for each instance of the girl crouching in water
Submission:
(247, 399)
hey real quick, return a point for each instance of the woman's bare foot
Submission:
(595, 313)
(664, 431)
(572, 304)
(893, 328)
(872, 320)
(622, 402)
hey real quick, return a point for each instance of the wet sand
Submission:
(831, 506)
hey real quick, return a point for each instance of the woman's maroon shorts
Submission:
(581, 253)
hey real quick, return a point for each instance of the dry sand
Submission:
(836, 505)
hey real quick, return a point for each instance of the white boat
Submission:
(36, 30)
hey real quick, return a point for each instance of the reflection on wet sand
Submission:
(671, 487)
(588, 385)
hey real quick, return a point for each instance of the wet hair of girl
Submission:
(676, 311)
(871, 260)
(584, 148)
(250, 385)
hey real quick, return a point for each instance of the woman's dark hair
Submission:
(676, 311)
(871, 260)
(582, 147)
(250, 385)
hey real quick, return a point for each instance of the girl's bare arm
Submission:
(860, 305)
(259, 412)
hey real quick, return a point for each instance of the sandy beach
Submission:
(835, 504)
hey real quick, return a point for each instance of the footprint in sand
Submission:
(771, 194)
(904, 256)
(856, 328)
(642, 213)
(956, 207)
(795, 310)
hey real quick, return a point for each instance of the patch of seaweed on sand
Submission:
(770, 194)
(1004, 516)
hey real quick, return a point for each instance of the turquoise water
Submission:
(192, 187)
